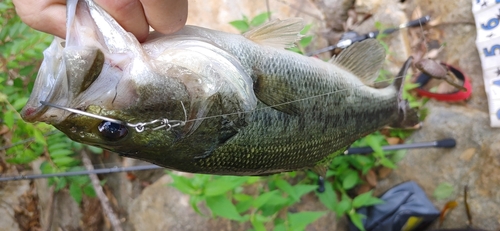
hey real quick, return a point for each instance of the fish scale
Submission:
(242, 104)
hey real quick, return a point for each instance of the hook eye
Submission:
(112, 131)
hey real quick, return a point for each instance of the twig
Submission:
(467, 209)
(100, 194)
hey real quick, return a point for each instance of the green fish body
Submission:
(205, 101)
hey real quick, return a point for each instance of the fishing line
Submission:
(165, 122)
(293, 101)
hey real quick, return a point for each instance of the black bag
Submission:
(406, 208)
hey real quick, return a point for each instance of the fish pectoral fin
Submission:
(277, 96)
(363, 59)
(277, 33)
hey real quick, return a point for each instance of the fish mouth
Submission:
(49, 86)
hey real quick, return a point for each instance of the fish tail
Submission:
(407, 116)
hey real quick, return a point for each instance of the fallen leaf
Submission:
(371, 178)
(393, 140)
(363, 188)
(443, 191)
(434, 21)
(417, 13)
(450, 205)
(468, 154)
(383, 172)
(4, 129)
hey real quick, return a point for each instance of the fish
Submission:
(206, 101)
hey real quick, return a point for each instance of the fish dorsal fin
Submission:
(277, 33)
(363, 59)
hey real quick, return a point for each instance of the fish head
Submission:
(101, 74)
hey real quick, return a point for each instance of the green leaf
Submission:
(61, 183)
(299, 221)
(221, 206)
(357, 220)
(373, 141)
(263, 198)
(24, 157)
(328, 197)
(242, 197)
(305, 41)
(8, 119)
(343, 206)
(257, 224)
(240, 25)
(280, 227)
(79, 180)
(302, 189)
(243, 206)
(193, 201)
(443, 191)
(46, 168)
(54, 146)
(398, 156)
(387, 163)
(306, 29)
(94, 149)
(260, 19)
(64, 161)
(287, 188)
(350, 180)
(223, 185)
(89, 190)
(182, 184)
(275, 204)
(60, 153)
(365, 199)
(76, 192)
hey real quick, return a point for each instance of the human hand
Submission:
(135, 16)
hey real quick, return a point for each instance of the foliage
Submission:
(20, 53)
(265, 202)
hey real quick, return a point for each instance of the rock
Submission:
(161, 207)
(216, 14)
(335, 12)
(475, 162)
(9, 199)
(389, 15)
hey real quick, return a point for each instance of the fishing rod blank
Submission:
(351, 37)
(445, 143)
(82, 172)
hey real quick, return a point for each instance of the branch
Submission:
(100, 194)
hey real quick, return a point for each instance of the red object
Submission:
(459, 95)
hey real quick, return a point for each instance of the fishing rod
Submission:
(444, 143)
(351, 37)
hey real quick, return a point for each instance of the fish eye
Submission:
(112, 131)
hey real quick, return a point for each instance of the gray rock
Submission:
(164, 208)
(474, 162)
(335, 12)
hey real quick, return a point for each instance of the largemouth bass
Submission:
(205, 101)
